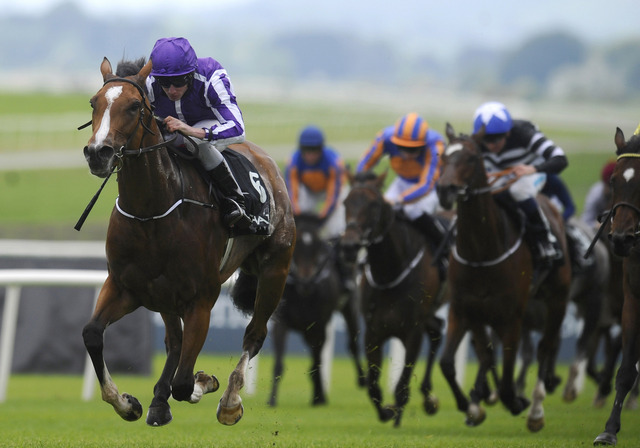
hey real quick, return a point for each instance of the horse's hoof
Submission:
(319, 401)
(520, 404)
(551, 383)
(493, 398)
(605, 438)
(387, 413)
(569, 395)
(431, 405)
(209, 383)
(599, 402)
(230, 415)
(475, 415)
(135, 411)
(535, 424)
(159, 415)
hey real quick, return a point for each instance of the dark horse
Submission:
(400, 291)
(165, 248)
(590, 294)
(490, 276)
(312, 294)
(623, 235)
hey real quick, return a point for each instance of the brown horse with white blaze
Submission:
(491, 278)
(168, 250)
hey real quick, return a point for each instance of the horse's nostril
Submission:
(106, 152)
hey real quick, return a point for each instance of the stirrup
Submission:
(236, 217)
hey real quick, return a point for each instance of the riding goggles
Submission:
(175, 81)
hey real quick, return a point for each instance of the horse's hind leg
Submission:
(109, 309)
(278, 335)
(269, 291)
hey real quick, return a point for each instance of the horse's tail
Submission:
(244, 292)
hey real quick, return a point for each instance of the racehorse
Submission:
(400, 291)
(491, 276)
(624, 219)
(312, 294)
(168, 251)
(589, 292)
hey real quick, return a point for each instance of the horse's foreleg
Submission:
(412, 348)
(547, 353)
(455, 333)
(184, 386)
(109, 309)
(159, 412)
(510, 343)
(434, 331)
(350, 315)
(316, 342)
(373, 350)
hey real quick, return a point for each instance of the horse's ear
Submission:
(479, 136)
(144, 71)
(380, 179)
(350, 176)
(450, 132)
(621, 143)
(106, 70)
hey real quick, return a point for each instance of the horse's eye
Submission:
(134, 107)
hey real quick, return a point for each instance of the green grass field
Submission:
(46, 411)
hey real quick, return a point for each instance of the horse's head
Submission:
(312, 256)
(625, 187)
(462, 167)
(121, 115)
(365, 210)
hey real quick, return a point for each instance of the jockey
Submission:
(194, 97)
(414, 153)
(315, 178)
(598, 199)
(520, 145)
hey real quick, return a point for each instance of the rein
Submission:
(609, 214)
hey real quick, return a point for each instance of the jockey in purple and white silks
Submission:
(520, 145)
(194, 96)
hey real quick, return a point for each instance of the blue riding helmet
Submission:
(494, 116)
(311, 136)
(173, 56)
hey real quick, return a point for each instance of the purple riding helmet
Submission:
(173, 56)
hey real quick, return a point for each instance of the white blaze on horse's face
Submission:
(453, 148)
(628, 174)
(105, 123)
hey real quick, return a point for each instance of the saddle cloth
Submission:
(255, 192)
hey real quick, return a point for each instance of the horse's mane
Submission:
(365, 176)
(130, 68)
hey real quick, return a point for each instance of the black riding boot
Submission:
(234, 207)
(546, 248)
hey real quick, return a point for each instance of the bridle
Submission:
(610, 214)
(145, 106)
(367, 238)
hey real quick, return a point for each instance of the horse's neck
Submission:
(481, 229)
(149, 184)
(389, 255)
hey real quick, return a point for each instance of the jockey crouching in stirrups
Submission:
(414, 154)
(519, 144)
